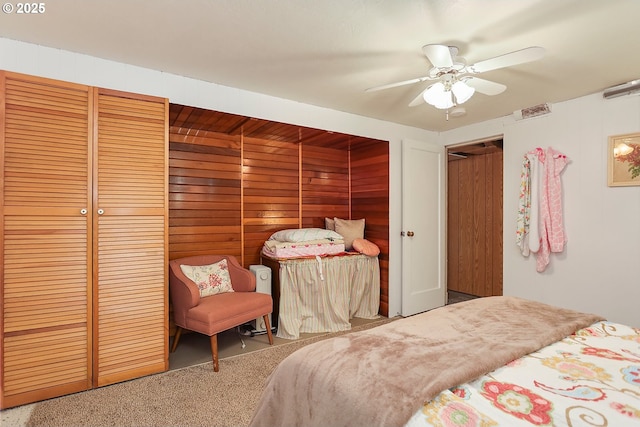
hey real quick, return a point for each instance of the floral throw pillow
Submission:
(211, 279)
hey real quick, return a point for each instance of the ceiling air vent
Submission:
(535, 111)
(628, 88)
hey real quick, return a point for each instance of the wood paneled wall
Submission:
(271, 192)
(474, 259)
(205, 194)
(325, 185)
(370, 200)
(229, 193)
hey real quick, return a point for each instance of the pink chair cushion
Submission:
(217, 313)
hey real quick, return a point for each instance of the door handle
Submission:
(410, 233)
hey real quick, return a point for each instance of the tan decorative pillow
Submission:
(349, 229)
(211, 279)
(329, 224)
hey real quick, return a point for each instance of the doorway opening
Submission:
(474, 218)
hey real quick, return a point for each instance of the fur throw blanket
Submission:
(381, 376)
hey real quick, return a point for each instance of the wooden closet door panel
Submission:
(474, 229)
(130, 237)
(46, 276)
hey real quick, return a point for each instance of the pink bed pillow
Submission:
(366, 247)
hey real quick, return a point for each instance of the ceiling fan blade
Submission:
(485, 86)
(418, 99)
(522, 56)
(403, 83)
(439, 55)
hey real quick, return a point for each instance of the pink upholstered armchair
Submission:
(215, 313)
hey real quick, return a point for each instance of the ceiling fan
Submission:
(455, 82)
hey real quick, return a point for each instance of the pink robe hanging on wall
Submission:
(552, 234)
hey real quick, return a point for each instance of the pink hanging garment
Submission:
(552, 235)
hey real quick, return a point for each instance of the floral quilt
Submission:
(591, 378)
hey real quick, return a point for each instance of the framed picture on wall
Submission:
(624, 160)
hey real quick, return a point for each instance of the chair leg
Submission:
(176, 338)
(214, 352)
(268, 326)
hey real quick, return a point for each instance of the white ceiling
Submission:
(327, 52)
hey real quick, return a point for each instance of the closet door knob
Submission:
(100, 211)
(410, 233)
(83, 211)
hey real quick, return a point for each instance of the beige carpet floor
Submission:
(191, 396)
(195, 349)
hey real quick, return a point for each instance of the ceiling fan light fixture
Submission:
(446, 102)
(462, 91)
(455, 81)
(434, 93)
(438, 96)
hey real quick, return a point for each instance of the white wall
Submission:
(599, 270)
(63, 65)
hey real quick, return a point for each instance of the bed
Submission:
(317, 285)
(496, 361)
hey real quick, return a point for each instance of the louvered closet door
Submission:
(129, 231)
(46, 317)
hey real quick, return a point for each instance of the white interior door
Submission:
(423, 227)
